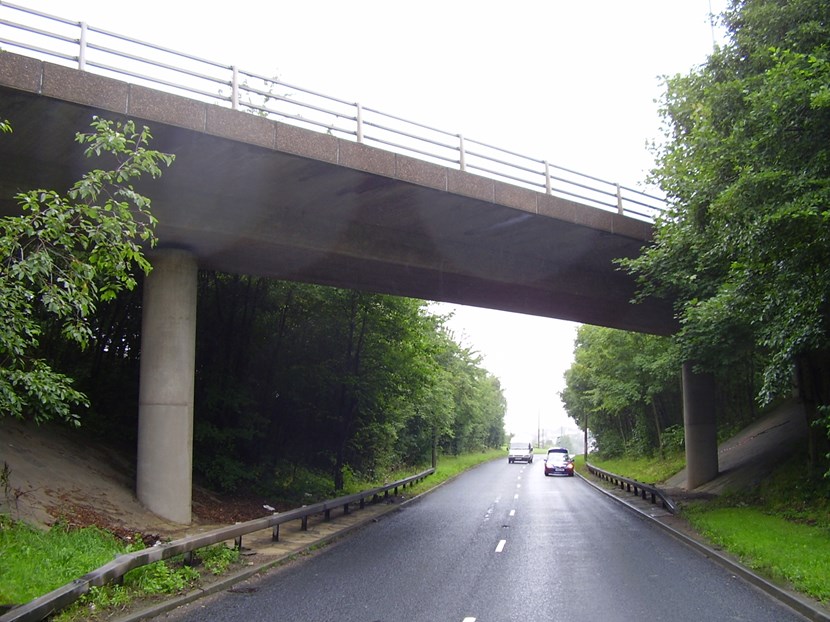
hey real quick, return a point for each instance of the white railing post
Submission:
(620, 209)
(82, 47)
(461, 153)
(548, 189)
(235, 88)
(359, 122)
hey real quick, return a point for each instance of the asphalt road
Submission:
(502, 543)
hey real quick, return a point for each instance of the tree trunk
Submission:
(812, 375)
(586, 437)
(348, 402)
(657, 426)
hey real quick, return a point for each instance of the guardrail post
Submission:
(237, 543)
(327, 514)
(304, 523)
(275, 533)
(462, 161)
(346, 509)
(362, 503)
(620, 209)
(82, 47)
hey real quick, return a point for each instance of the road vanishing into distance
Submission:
(501, 543)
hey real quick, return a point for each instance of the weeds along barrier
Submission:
(644, 491)
(48, 604)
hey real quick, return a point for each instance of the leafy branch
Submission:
(62, 255)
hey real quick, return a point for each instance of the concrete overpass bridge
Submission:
(398, 212)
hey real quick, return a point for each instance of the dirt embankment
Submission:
(50, 473)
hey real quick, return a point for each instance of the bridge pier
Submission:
(168, 364)
(700, 423)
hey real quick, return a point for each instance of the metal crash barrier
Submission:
(644, 491)
(48, 604)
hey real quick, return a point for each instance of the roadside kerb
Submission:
(48, 604)
(292, 547)
(262, 545)
(633, 486)
(797, 602)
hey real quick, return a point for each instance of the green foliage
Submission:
(674, 439)
(756, 538)
(745, 250)
(33, 563)
(96, 600)
(295, 380)
(63, 255)
(625, 388)
(646, 470)
(791, 492)
(161, 578)
(298, 483)
(217, 559)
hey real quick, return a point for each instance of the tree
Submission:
(625, 387)
(63, 255)
(745, 248)
(336, 381)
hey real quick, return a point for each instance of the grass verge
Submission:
(798, 554)
(34, 562)
(779, 528)
(447, 468)
(645, 470)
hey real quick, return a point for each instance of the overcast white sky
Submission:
(571, 82)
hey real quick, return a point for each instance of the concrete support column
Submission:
(165, 403)
(700, 422)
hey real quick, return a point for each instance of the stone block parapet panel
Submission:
(21, 72)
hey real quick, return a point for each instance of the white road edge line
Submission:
(468, 620)
(500, 546)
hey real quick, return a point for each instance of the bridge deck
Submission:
(256, 196)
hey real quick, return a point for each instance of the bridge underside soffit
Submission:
(242, 208)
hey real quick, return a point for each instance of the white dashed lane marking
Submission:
(500, 546)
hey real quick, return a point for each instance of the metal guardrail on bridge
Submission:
(48, 604)
(92, 49)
